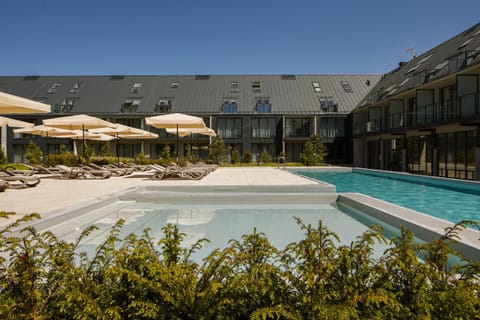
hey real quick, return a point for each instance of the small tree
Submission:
(3, 157)
(235, 156)
(217, 151)
(33, 153)
(313, 151)
(247, 156)
(165, 154)
(105, 151)
(265, 157)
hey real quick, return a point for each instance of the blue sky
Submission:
(103, 37)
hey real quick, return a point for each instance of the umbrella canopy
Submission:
(175, 120)
(185, 132)
(119, 129)
(10, 103)
(78, 122)
(144, 135)
(45, 131)
(80, 134)
(4, 121)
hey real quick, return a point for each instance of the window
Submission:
(75, 88)
(332, 128)
(328, 104)
(297, 127)
(229, 106)
(256, 86)
(263, 105)
(229, 127)
(346, 86)
(174, 85)
(412, 69)
(130, 105)
(66, 105)
(202, 77)
(316, 87)
(136, 87)
(234, 88)
(164, 105)
(263, 128)
(53, 88)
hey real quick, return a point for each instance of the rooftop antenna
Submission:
(412, 53)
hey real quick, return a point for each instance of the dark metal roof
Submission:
(452, 56)
(195, 94)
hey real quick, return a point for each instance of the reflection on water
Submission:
(222, 223)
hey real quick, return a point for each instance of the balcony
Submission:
(451, 110)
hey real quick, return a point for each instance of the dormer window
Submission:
(316, 87)
(263, 105)
(346, 86)
(174, 85)
(75, 88)
(256, 86)
(229, 106)
(53, 88)
(328, 104)
(234, 88)
(164, 105)
(136, 87)
(66, 105)
(130, 105)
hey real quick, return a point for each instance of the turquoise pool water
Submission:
(442, 202)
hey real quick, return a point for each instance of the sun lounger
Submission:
(116, 172)
(81, 173)
(176, 172)
(3, 185)
(18, 181)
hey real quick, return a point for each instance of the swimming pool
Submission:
(222, 213)
(218, 215)
(443, 198)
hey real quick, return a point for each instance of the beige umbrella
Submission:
(10, 103)
(44, 131)
(175, 121)
(185, 132)
(125, 132)
(4, 121)
(119, 129)
(78, 122)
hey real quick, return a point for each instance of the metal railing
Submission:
(449, 110)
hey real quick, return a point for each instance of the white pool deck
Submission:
(53, 195)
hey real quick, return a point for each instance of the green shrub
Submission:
(141, 159)
(105, 150)
(140, 277)
(314, 151)
(265, 157)
(217, 151)
(3, 157)
(33, 153)
(165, 154)
(247, 156)
(65, 158)
(235, 157)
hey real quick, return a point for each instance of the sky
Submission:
(187, 37)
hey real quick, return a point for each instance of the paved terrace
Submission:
(53, 194)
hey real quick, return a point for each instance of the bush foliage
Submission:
(33, 153)
(43, 277)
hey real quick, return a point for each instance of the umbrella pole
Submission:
(177, 143)
(116, 149)
(83, 139)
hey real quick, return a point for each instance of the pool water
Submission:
(220, 223)
(445, 203)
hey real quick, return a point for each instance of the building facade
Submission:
(276, 113)
(424, 116)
